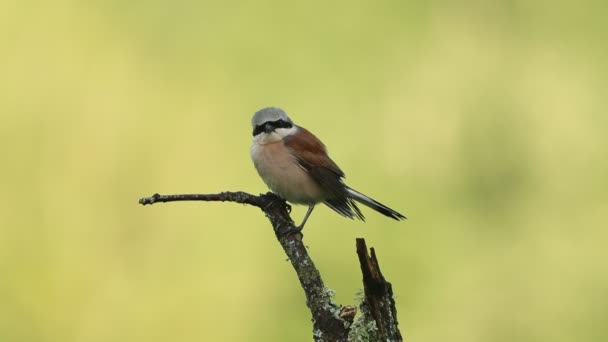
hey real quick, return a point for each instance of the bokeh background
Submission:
(484, 121)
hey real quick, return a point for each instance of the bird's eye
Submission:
(271, 125)
(283, 124)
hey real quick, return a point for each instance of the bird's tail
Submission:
(377, 206)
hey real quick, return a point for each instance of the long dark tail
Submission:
(377, 206)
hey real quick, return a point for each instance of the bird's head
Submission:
(270, 125)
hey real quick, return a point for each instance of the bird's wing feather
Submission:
(310, 150)
(311, 155)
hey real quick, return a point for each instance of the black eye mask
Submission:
(270, 126)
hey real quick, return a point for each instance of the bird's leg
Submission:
(298, 229)
(310, 208)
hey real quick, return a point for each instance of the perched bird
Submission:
(294, 164)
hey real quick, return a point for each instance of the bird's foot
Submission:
(291, 229)
(278, 198)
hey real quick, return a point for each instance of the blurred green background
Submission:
(484, 121)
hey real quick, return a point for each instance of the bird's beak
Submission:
(268, 127)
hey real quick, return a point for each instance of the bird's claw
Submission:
(291, 229)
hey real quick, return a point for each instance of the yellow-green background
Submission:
(484, 121)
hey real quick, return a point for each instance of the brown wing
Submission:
(312, 156)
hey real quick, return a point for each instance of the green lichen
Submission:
(364, 327)
(329, 292)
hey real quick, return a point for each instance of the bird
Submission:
(295, 165)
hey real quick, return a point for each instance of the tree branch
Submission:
(379, 301)
(331, 322)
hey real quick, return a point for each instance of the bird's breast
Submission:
(279, 169)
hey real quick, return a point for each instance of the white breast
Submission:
(280, 171)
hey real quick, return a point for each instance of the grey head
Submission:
(268, 119)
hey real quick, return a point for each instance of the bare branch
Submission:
(331, 322)
(237, 197)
